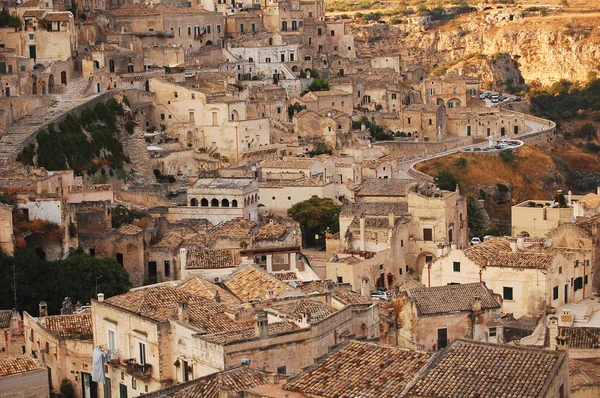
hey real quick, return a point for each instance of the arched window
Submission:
(214, 203)
(225, 203)
(194, 202)
(234, 203)
(204, 202)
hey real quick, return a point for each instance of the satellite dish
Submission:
(573, 219)
(356, 246)
(19, 1)
(328, 114)
(253, 168)
(197, 61)
(548, 242)
(368, 145)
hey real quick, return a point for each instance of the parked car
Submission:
(495, 98)
(483, 95)
(475, 240)
(381, 295)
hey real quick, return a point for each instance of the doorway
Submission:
(152, 271)
(566, 293)
(122, 391)
(442, 338)
(32, 52)
(88, 387)
(63, 78)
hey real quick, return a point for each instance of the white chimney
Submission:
(513, 244)
(100, 297)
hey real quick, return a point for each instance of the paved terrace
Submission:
(24, 131)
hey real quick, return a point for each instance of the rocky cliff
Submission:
(547, 48)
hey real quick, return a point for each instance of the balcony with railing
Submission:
(137, 370)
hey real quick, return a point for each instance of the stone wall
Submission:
(15, 108)
(406, 150)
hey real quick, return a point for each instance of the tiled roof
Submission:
(237, 379)
(452, 298)
(375, 209)
(271, 231)
(496, 252)
(315, 310)
(129, 229)
(162, 303)
(213, 259)
(590, 201)
(584, 372)
(58, 16)
(222, 183)
(285, 275)
(206, 289)
(470, 369)
(5, 316)
(288, 163)
(250, 283)
(37, 14)
(328, 93)
(384, 187)
(581, 337)
(66, 325)
(20, 364)
(344, 295)
(375, 222)
(238, 228)
(361, 370)
(249, 332)
(170, 241)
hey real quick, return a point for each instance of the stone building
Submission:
(318, 101)
(64, 343)
(530, 276)
(7, 239)
(432, 318)
(23, 376)
(485, 122)
(12, 342)
(451, 90)
(219, 200)
(166, 335)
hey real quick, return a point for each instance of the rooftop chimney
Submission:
(183, 313)
(261, 326)
(67, 306)
(217, 297)
(101, 297)
(43, 309)
(513, 244)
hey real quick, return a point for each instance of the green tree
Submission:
(66, 389)
(316, 215)
(121, 215)
(295, 108)
(475, 219)
(319, 84)
(447, 181)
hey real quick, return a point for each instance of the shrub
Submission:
(447, 181)
(66, 389)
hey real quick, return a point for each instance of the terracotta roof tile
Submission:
(237, 379)
(361, 369)
(470, 369)
(250, 283)
(590, 201)
(20, 364)
(344, 295)
(37, 14)
(272, 231)
(206, 289)
(581, 337)
(584, 372)
(239, 228)
(65, 326)
(129, 229)
(285, 275)
(452, 298)
(213, 259)
(170, 241)
(315, 311)
(288, 163)
(384, 187)
(248, 333)
(375, 209)
(5, 316)
(59, 16)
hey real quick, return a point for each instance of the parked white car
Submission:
(475, 240)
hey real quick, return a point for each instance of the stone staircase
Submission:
(23, 131)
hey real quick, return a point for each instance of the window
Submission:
(427, 234)
(162, 116)
(560, 270)
(175, 94)
(281, 370)
(254, 27)
(454, 90)
(578, 283)
(493, 332)
(218, 28)
(430, 91)
(189, 30)
(208, 27)
(120, 258)
(428, 259)
(430, 122)
(241, 28)
(585, 280)
(141, 353)
(107, 393)
(112, 339)
(289, 198)
(92, 252)
(31, 37)
(340, 279)
(167, 268)
(333, 33)
(394, 96)
(456, 266)
(250, 59)
(507, 293)
(555, 293)
(408, 120)
(319, 32)
(292, 57)
(468, 131)
(134, 383)
(268, 60)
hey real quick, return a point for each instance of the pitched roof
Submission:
(206, 289)
(452, 298)
(361, 369)
(590, 201)
(170, 241)
(496, 252)
(65, 326)
(251, 283)
(584, 372)
(129, 229)
(313, 309)
(213, 259)
(237, 379)
(239, 228)
(271, 231)
(470, 369)
(5, 316)
(37, 14)
(384, 187)
(20, 364)
(59, 16)
(285, 275)
(239, 334)
(375, 209)
(344, 295)
(581, 337)
(288, 163)
(222, 183)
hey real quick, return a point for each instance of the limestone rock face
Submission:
(547, 49)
